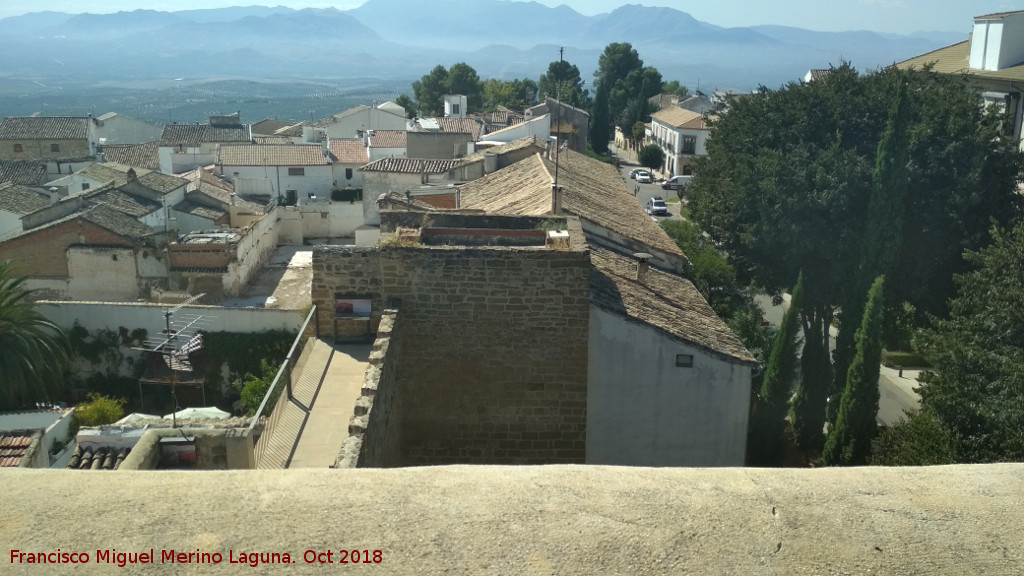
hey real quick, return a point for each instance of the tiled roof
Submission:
(268, 126)
(98, 458)
(497, 133)
(819, 73)
(196, 134)
(108, 218)
(137, 155)
(954, 60)
(512, 146)
(462, 125)
(998, 15)
(130, 204)
(349, 152)
(269, 140)
(118, 174)
(506, 117)
(20, 200)
(273, 155)
(680, 118)
(389, 139)
(12, 449)
(349, 112)
(410, 166)
(195, 209)
(218, 191)
(24, 173)
(44, 128)
(591, 189)
(665, 301)
(595, 191)
(522, 189)
(294, 131)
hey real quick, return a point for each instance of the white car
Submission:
(644, 177)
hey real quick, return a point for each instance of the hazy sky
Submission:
(903, 16)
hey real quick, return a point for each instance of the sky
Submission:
(899, 16)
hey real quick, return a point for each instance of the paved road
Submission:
(648, 191)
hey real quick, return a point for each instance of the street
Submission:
(648, 191)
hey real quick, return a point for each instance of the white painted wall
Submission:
(316, 179)
(149, 265)
(10, 224)
(341, 220)
(253, 249)
(102, 273)
(377, 183)
(539, 128)
(642, 410)
(375, 153)
(371, 119)
(96, 315)
(175, 160)
(340, 171)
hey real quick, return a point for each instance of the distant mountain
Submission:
(404, 39)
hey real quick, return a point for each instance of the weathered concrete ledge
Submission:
(532, 520)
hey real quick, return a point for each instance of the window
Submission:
(455, 108)
(684, 360)
(689, 145)
(85, 185)
(348, 173)
(17, 148)
(296, 171)
(54, 147)
(351, 307)
(687, 171)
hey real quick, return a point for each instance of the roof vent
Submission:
(641, 266)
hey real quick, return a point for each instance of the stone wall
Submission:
(375, 432)
(494, 346)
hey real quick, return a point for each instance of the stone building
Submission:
(46, 138)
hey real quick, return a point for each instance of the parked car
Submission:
(656, 206)
(676, 182)
(644, 177)
(632, 173)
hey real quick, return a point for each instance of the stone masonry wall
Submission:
(494, 346)
(375, 432)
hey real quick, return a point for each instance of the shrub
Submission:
(98, 410)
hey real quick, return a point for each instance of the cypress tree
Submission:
(849, 443)
(768, 428)
(807, 413)
(884, 225)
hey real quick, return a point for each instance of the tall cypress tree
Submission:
(883, 231)
(768, 427)
(807, 412)
(849, 443)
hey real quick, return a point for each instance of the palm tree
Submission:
(33, 350)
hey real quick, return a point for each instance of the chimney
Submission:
(54, 195)
(556, 200)
(641, 266)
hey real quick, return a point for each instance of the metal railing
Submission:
(271, 407)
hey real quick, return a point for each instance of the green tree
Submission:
(976, 388)
(615, 87)
(33, 350)
(638, 133)
(98, 410)
(600, 122)
(430, 91)
(411, 108)
(562, 81)
(463, 79)
(766, 445)
(637, 111)
(789, 176)
(885, 215)
(651, 156)
(807, 413)
(674, 87)
(849, 443)
(253, 388)
(919, 440)
(515, 94)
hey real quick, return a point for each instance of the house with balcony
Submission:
(991, 59)
(682, 135)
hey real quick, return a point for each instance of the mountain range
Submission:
(401, 39)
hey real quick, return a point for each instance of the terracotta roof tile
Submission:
(44, 128)
(512, 146)
(665, 301)
(24, 173)
(268, 127)
(273, 155)
(200, 210)
(12, 449)
(389, 139)
(268, 140)
(461, 125)
(349, 152)
(680, 118)
(954, 60)
(591, 189)
(410, 166)
(119, 175)
(136, 155)
(196, 134)
(20, 200)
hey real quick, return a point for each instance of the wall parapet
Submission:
(375, 429)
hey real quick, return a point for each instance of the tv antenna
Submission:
(174, 348)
